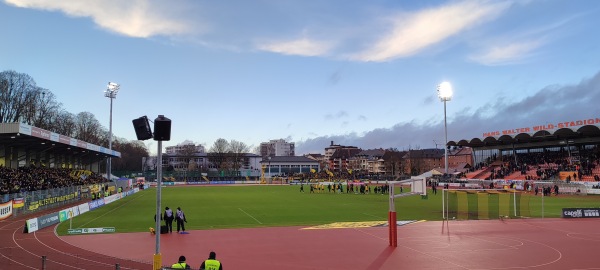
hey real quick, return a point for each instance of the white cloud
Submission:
(507, 54)
(135, 18)
(413, 32)
(303, 47)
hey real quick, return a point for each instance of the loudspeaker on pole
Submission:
(142, 128)
(162, 128)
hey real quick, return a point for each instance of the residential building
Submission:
(340, 160)
(423, 160)
(276, 148)
(368, 162)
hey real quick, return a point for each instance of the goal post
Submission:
(474, 204)
(418, 186)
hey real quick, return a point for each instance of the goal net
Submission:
(467, 204)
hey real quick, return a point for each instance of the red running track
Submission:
(494, 244)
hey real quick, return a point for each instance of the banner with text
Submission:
(581, 212)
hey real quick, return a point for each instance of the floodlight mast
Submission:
(111, 92)
(444, 91)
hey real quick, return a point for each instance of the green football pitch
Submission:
(218, 207)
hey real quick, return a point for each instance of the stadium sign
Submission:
(91, 230)
(581, 212)
(550, 126)
(6, 210)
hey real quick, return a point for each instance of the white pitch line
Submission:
(250, 216)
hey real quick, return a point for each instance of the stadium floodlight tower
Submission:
(444, 91)
(111, 92)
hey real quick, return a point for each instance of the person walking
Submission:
(181, 264)
(168, 217)
(180, 217)
(211, 263)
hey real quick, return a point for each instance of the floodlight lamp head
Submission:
(444, 91)
(112, 89)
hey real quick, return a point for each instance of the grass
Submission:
(218, 207)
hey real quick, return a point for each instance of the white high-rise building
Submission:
(186, 146)
(277, 148)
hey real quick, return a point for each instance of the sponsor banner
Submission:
(222, 182)
(51, 200)
(85, 207)
(91, 230)
(68, 213)
(110, 199)
(32, 225)
(95, 204)
(6, 210)
(581, 212)
(48, 220)
(18, 202)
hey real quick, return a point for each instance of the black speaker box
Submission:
(142, 128)
(162, 128)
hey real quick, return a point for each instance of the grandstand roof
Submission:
(588, 134)
(36, 139)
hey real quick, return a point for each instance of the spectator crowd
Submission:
(41, 178)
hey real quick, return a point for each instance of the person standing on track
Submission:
(168, 217)
(180, 217)
(211, 263)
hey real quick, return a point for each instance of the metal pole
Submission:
(443, 206)
(109, 169)
(542, 203)
(446, 137)
(158, 196)
(515, 201)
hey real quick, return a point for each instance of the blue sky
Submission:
(361, 73)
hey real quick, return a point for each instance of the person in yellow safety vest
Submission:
(211, 263)
(181, 264)
(106, 193)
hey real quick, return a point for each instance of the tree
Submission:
(132, 154)
(188, 151)
(88, 129)
(237, 150)
(17, 93)
(65, 124)
(217, 154)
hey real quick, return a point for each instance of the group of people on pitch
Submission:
(178, 216)
(209, 264)
(168, 217)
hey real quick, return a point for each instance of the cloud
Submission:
(507, 54)
(302, 47)
(338, 115)
(412, 33)
(552, 104)
(135, 18)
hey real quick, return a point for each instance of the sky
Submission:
(358, 73)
